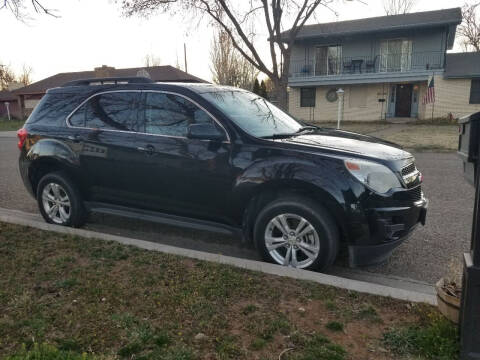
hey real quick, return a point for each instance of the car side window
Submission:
(109, 111)
(170, 114)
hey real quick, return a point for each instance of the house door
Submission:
(403, 104)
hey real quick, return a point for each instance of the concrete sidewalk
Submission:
(8, 134)
(397, 288)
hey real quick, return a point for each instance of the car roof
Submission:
(199, 88)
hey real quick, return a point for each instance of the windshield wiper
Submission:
(279, 136)
(306, 128)
(287, 135)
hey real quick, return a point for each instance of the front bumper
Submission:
(389, 227)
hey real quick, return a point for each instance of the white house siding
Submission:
(30, 104)
(360, 104)
(452, 96)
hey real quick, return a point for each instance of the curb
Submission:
(267, 268)
(8, 134)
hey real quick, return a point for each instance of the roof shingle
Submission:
(463, 65)
(165, 73)
(6, 95)
(382, 23)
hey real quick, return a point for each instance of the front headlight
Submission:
(377, 177)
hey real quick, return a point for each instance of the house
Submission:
(384, 65)
(30, 95)
(9, 102)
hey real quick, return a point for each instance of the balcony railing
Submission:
(385, 63)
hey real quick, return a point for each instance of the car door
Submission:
(106, 126)
(179, 175)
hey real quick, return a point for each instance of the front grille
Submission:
(415, 194)
(410, 168)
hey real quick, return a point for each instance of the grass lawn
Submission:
(8, 125)
(417, 136)
(358, 127)
(64, 297)
(427, 137)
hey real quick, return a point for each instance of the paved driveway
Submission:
(426, 256)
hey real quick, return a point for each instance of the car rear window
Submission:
(53, 109)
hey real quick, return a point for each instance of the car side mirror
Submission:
(205, 132)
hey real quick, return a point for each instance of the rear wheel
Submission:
(297, 232)
(59, 200)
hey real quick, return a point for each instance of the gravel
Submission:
(431, 252)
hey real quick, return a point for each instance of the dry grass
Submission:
(427, 137)
(117, 302)
(358, 127)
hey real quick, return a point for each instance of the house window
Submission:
(475, 92)
(328, 60)
(307, 97)
(395, 55)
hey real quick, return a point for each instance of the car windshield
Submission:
(254, 114)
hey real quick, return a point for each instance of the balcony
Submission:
(358, 69)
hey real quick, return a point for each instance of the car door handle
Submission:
(149, 149)
(74, 138)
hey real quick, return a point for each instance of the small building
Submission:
(29, 96)
(384, 65)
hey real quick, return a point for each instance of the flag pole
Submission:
(434, 98)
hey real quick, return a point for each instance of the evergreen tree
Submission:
(256, 87)
(263, 90)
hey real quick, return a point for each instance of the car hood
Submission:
(348, 142)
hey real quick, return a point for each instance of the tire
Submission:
(320, 242)
(56, 189)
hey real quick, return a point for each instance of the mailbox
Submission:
(468, 144)
(469, 152)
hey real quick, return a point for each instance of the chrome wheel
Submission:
(292, 241)
(56, 203)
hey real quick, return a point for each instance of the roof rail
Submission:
(109, 80)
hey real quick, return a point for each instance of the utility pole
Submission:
(185, 56)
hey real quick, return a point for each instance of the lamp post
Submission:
(469, 151)
(340, 93)
(7, 105)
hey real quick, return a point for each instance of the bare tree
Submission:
(151, 60)
(398, 7)
(228, 66)
(6, 76)
(19, 7)
(235, 18)
(26, 75)
(469, 30)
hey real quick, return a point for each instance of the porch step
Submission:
(401, 120)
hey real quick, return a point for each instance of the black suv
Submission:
(218, 158)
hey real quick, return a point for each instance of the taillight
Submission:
(22, 136)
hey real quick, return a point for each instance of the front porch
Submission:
(398, 102)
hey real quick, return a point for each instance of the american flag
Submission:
(430, 95)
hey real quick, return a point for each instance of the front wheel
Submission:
(297, 232)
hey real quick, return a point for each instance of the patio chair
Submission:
(347, 67)
(371, 65)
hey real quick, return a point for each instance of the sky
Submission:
(91, 33)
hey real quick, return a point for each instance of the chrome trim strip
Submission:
(67, 119)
